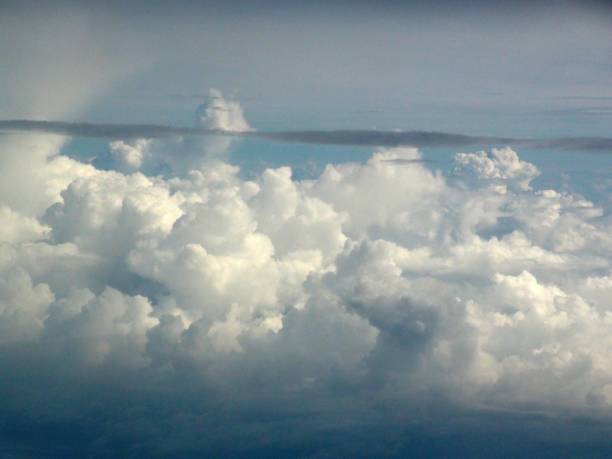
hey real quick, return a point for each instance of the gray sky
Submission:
(476, 68)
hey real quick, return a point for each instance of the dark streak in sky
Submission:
(356, 137)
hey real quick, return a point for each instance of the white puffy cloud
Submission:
(108, 329)
(34, 173)
(23, 306)
(130, 156)
(383, 277)
(502, 168)
(17, 228)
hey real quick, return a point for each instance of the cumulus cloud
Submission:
(372, 285)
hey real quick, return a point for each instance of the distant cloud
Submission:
(589, 98)
(580, 111)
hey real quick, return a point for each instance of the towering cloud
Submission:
(221, 114)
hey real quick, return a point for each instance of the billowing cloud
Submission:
(372, 296)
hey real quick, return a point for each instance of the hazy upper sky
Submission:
(474, 67)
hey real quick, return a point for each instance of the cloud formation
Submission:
(233, 309)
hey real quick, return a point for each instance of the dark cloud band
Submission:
(357, 137)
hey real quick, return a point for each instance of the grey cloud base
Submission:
(375, 310)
